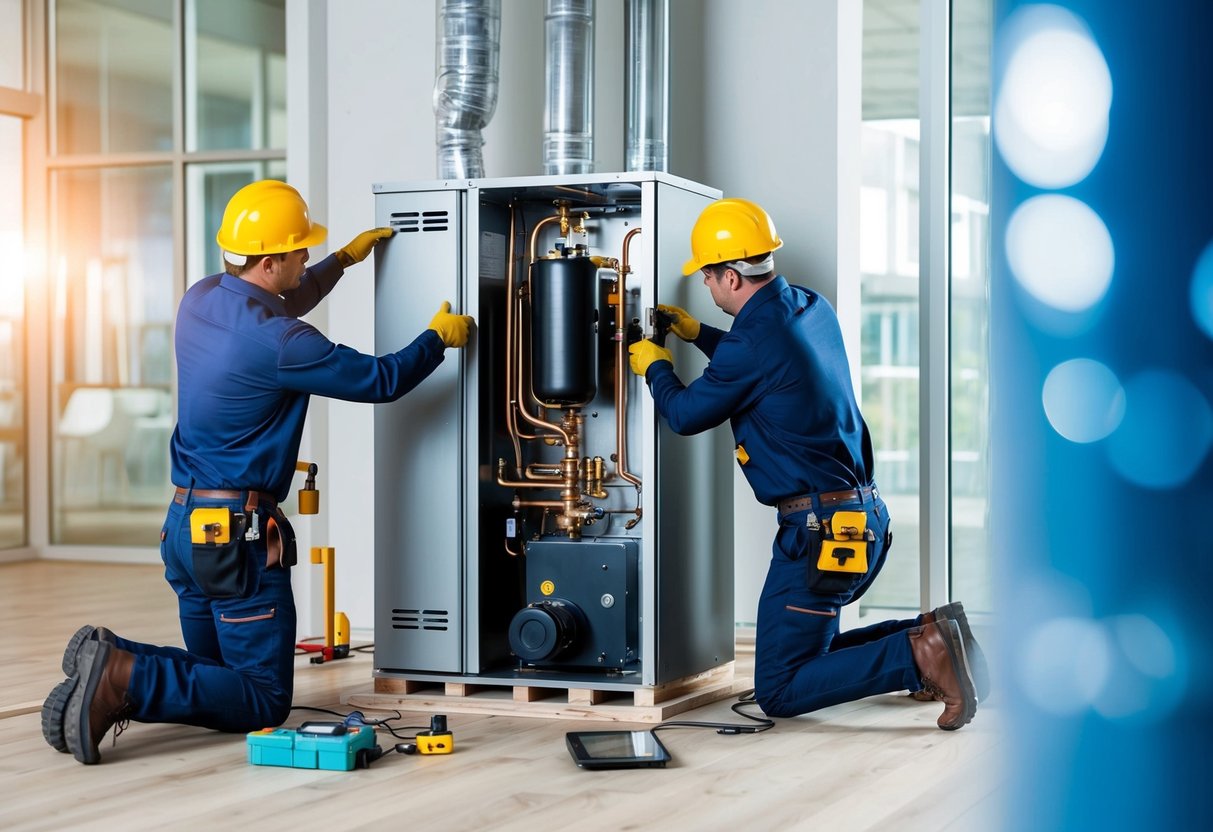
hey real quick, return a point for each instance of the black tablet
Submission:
(616, 749)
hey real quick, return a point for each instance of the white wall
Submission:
(773, 83)
(778, 94)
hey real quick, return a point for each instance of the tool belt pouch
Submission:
(221, 564)
(280, 549)
(844, 556)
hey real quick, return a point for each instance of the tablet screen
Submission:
(616, 749)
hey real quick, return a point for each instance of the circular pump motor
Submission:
(544, 631)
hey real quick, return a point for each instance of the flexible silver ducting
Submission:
(647, 83)
(465, 89)
(568, 125)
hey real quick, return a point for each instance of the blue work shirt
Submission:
(246, 367)
(780, 376)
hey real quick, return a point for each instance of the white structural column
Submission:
(307, 170)
(935, 186)
(770, 94)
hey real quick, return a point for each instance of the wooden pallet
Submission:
(511, 698)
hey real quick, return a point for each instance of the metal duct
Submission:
(647, 83)
(465, 89)
(568, 126)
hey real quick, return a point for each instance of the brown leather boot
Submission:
(55, 707)
(955, 611)
(938, 652)
(103, 675)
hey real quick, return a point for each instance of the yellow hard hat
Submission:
(730, 229)
(267, 217)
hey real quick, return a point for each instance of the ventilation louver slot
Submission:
(409, 221)
(420, 619)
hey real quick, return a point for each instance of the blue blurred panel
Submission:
(1102, 410)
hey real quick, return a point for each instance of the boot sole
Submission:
(71, 653)
(960, 667)
(955, 611)
(76, 729)
(53, 712)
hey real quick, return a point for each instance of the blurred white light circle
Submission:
(1148, 680)
(1166, 431)
(1063, 664)
(1060, 251)
(1146, 645)
(1083, 400)
(1202, 291)
(1051, 115)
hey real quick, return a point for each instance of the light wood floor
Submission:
(875, 764)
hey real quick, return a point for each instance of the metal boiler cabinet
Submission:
(535, 522)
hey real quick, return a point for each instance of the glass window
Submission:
(889, 365)
(207, 190)
(12, 337)
(235, 74)
(12, 45)
(121, 71)
(113, 76)
(971, 43)
(112, 311)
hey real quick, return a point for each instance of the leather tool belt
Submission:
(826, 499)
(279, 536)
(255, 498)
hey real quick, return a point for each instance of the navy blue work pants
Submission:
(237, 671)
(802, 661)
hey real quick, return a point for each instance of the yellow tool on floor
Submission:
(336, 624)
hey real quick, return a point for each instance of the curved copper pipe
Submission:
(534, 245)
(511, 423)
(553, 472)
(621, 389)
(545, 484)
(517, 357)
(519, 399)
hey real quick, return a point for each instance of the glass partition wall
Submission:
(14, 401)
(892, 364)
(147, 144)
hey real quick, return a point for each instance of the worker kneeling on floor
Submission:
(246, 367)
(780, 376)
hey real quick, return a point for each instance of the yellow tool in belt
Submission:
(211, 525)
(846, 550)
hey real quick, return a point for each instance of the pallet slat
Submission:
(652, 704)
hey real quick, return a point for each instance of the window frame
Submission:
(41, 164)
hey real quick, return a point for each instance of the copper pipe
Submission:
(555, 482)
(562, 218)
(552, 473)
(510, 551)
(519, 398)
(511, 423)
(518, 503)
(621, 389)
(516, 353)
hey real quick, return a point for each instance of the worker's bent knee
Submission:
(277, 710)
(772, 702)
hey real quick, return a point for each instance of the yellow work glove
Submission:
(643, 353)
(358, 248)
(451, 328)
(684, 326)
